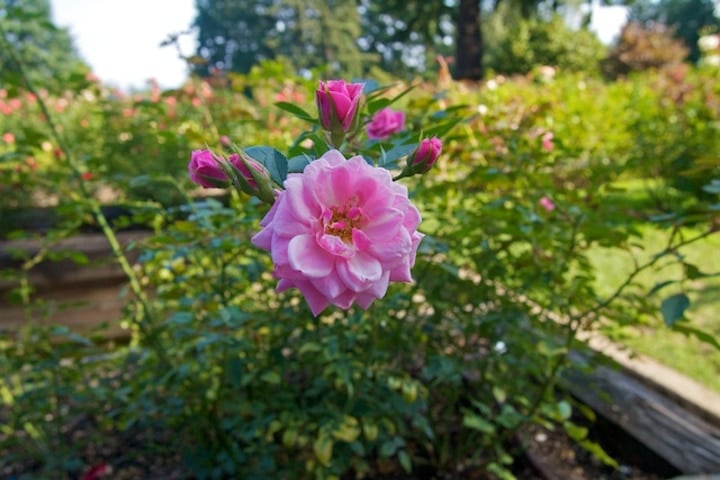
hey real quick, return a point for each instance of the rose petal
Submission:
(305, 256)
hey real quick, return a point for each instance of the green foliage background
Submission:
(220, 376)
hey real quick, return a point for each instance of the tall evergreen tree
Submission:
(46, 52)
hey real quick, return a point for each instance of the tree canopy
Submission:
(46, 51)
(349, 37)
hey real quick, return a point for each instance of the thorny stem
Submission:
(638, 269)
(94, 205)
(575, 321)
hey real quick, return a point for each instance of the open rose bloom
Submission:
(340, 232)
(384, 123)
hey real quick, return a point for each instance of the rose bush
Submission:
(224, 376)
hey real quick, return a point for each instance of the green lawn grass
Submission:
(690, 356)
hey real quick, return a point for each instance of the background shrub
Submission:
(641, 48)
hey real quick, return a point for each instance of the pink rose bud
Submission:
(251, 177)
(384, 123)
(547, 204)
(206, 169)
(225, 140)
(337, 103)
(425, 156)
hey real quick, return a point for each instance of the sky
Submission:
(120, 39)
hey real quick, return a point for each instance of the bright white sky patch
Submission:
(608, 21)
(120, 39)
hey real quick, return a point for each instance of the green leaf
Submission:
(389, 447)
(323, 448)
(599, 453)
(297, 164)
(180, 318)
(673, 308)
(271, 377)
(378, 104)
(477, 423)
(297, 111)
(405, 461)
(564, 410)
(713, 187)
(659, 286)
(440, 130)
(575, 432)
(272, 159)
(697, 333)
(499, 394)
(310, 347)
(389, 158)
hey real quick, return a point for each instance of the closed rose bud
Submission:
(206, 169)
(424, 157)
(252, 177)
(337, 102)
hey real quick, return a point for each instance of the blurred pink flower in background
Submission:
(547, 204)
(384, 123)
(8, 138)
(340, 232)
(547, 141)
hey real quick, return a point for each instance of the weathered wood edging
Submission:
(78, 296)
(682, 432)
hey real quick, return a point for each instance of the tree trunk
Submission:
(469, 44)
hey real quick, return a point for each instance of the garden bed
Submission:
(671, 430)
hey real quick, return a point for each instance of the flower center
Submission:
(342, 221)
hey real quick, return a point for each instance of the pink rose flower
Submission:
(384, 123)
(340, 232)
(205, 169)
(337, 103)
(425, 156)
(547, 204)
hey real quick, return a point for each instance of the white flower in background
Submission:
(709, 42)
(712, 60)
